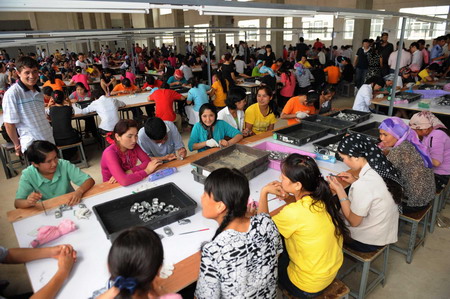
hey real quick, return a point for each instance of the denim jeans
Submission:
(360, 74)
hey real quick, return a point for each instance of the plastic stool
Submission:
(83, 163)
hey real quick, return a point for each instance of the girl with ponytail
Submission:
(241, 259)
(312, 228)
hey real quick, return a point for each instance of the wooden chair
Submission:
(336, 290)
(83, 163)
(365, 260)
(415, 219)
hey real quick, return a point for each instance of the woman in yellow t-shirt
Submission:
(259, 117)
(220, 89)
(312, 228)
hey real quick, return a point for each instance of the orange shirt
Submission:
(333, 74)
(275, 67)
(294, 105)
(58, 85)
(121, 87)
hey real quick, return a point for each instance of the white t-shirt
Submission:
(240, 66)
(82, 65)
(107, 109)
(371, 199)
(225, 115)
(363, 98)
(187, 72)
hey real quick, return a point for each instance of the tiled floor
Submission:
(426, 277)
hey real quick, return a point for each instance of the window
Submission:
(424, 30)
(268, 32)
(319, 26)
(248, 33)
(200, 34)
(165, 11)
(348, 28)
(376, 28)
(287, 36)
(229, 38)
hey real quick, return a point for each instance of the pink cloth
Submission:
(49, 233)
(115, 163)
(82, 78)
(289, 87)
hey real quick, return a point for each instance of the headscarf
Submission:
(264, 69)
(425, 120)
(401, 131)
(300, 68)
(404, 71)
(357, 145)
(258, 62)
(389, 77)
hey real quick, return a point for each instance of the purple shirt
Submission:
(115, 163)
(438, 143)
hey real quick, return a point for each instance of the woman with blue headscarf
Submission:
(268, 78)
(304, 78)
(412, 159)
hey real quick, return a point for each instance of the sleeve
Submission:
(286, 221)
(175, 95)
(3, 254)
(325, 70)
(190, 96)
(10, 113)
(215, 85)
(118, 87)
(367, 97)
(208, 284)
(436, 146)
(229, 130)
(361, 199)
(255, 72)
(117, 171)
(289, 107)
(90, 108)
(273, 118)
(171, 80)
(118, 103)
(250, 115)
(176, 138)
(143, 157)
(195, 136)
(72, 95)
(25, 187)
(75, 174)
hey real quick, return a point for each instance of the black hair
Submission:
(58, 96)
(193, 82)
(415, 44)
(79, 84)
(327, 89)
(47, 90)
(227, 56)
(269, 92)
(38, 150)
(78, 69)
(136, 253)
(223, 81)
(366, 40)
(97, 93)
(165, 85)
(301, 39)
(231, 187)
(150, 80)
(313, 97)
(126, 82)
(123, 72)
(421, 42)
(155, 128)
(234, 95)
(376, 80)
(52, 76)
(303, 169)
(207, 106)
(279, 60)
(285, 69)
(123, 126)
(433, 67)
(26, 61)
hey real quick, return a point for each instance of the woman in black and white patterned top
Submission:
(241, 260)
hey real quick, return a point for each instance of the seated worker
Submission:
(80, 78)
(48, 177)
(107, 109)
(64, 254)
(160, 139)
(300, 107)
(107, 81)
(333, 73)
(389, 82)
(164, 98)
(428, 73)
(197, 96)
(80, 94)
(277, 65)
(365, 93)
(119, 160)
(327, 93)
(47, 92)
(127, 73)
(210, 132)
(255, 71)
(305, 62)
(233, 113)
(177, 78)
(53, 82)
(125, 87)
(151, 82)
(259, 117)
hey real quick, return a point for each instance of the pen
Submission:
(42, 203)
(337, 176)
(194, 231)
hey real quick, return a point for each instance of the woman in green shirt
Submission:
(48, 177)
(255, 71)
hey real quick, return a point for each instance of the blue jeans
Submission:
(360, 74)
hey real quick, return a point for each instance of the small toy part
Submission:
(82, 206)
(168, 231)
(83, 213)
(184, 221)
(58, 214)
(65, 207)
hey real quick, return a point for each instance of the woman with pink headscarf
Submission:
(412, 159)
(436, 137)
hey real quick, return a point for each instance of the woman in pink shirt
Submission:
(79, 77)
(288, 80)
(119, 160)
(128, 74)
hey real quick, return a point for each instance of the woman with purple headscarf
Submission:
(436, 137)
(413, 161)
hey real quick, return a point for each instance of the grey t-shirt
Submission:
(153, 149)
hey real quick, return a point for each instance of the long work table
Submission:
(90, 240)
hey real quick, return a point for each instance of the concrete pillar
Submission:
(178, 15)
(362, 26)
(148, 19)
(391, 27)
(81, 47)
(339, 28)
(276, 37)
(296, 32)
(220, 40)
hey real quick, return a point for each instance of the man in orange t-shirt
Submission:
(300, 107)
(333, 73)
(126, 87)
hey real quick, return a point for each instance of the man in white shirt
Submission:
(417, 57)
(404, 60)
(80, 62)
(321, 56)
(107, 109)
(240, 65)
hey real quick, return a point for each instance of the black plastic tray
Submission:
(251, 169)
(370, 130)
(363, 115)
(301, 133)
(409, 96)
(336, 126)
(321, 146)
(115, 216)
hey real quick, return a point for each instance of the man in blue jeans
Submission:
(361, 63)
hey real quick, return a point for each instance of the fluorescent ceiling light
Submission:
(73, 6)
(350, 15)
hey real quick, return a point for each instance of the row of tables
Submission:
(92, 245)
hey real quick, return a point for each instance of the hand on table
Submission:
(112, 180)
(75, 197)
(152, 165)
(55, 251)
(301, 115)
(224, 143)
(66, 259)
(33, 198)
(170, 157)
(182, 152)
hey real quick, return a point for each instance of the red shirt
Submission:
(158, 84)
(164, 99)
(318, 45)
